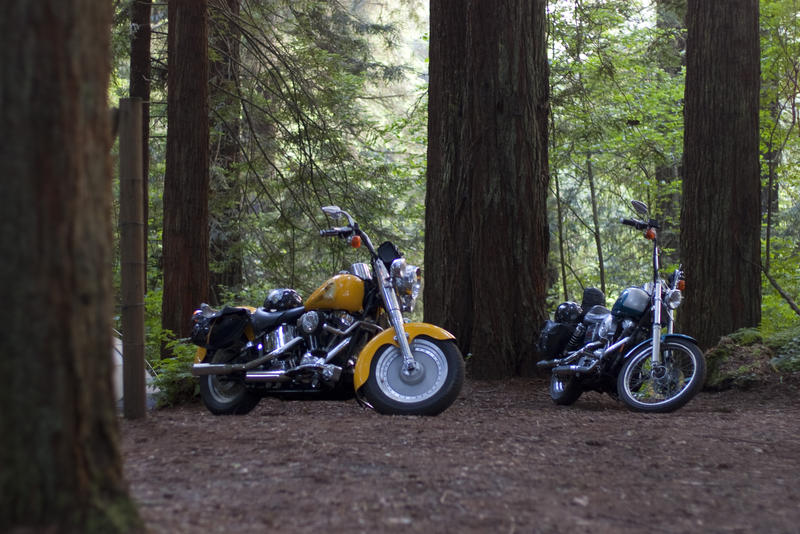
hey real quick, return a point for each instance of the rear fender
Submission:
(387, 337)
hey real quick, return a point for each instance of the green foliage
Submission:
(786, 346)
(617, 118)
(173, 376)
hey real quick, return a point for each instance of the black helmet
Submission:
(568, 312)
(282, 299)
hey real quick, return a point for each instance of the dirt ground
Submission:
(502, 459)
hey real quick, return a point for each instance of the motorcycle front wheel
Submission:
(564, 390)
(645, 387)
(224, 395)
(428, 390)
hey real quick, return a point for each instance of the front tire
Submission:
(564, 390)
(224, 394)
(429, 391)
(665, 388)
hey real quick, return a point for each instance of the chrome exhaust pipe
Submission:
(204, 369)
(569, 370)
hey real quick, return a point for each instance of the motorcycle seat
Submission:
(596, 314)
(265, 320)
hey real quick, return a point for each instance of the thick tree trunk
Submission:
(720, 215)
(486, 222)
(186, 234)
(61, 467)
(140, 87)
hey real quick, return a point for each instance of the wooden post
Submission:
(132, 257)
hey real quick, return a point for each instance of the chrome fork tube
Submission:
(395, 315)
(655, 357)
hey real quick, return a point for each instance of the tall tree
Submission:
(186, 234)
(720, 213)
(61, 465)
(140, 88)
(486, 237)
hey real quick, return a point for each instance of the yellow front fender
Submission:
(364, 362)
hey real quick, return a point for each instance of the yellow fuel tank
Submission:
(342, 292)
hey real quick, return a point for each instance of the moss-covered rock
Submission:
(733, 364)
(746, 337)
(745, 358)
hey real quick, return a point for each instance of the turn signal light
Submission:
(355, 241)
(681, 285)
(650, 234)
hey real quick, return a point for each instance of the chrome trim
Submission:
(337, 349)
(202, 369)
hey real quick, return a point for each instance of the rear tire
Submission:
(564, 390)
(225, 394)
(429, 392)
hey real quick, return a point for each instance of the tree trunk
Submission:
(224, 201)
(61, 465)
(140, 87)
(720, 215)
(486, 239)
(598, 243)
(186, 235)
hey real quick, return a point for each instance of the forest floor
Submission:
(502, 459)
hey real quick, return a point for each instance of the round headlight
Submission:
(397, 268)
(673, 298)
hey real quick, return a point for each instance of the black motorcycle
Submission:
(623, 351)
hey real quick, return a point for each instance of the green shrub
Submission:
(174, 374)
(170, 358)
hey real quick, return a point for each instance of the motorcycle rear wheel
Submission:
(564, 390)
(225, 395)
(429, 391)
(644, 388)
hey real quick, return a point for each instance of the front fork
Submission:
(655, 357)
(392, 306)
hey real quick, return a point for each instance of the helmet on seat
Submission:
(282, 299)
(568, 312)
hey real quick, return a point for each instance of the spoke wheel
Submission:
(663, 387)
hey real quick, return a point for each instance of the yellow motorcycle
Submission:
(349, 338)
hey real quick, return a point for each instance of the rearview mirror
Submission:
(639, 206)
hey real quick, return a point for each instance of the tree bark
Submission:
(61, 465)
(186, 181)
(720, 214)
(486, 233)
(140, 87)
